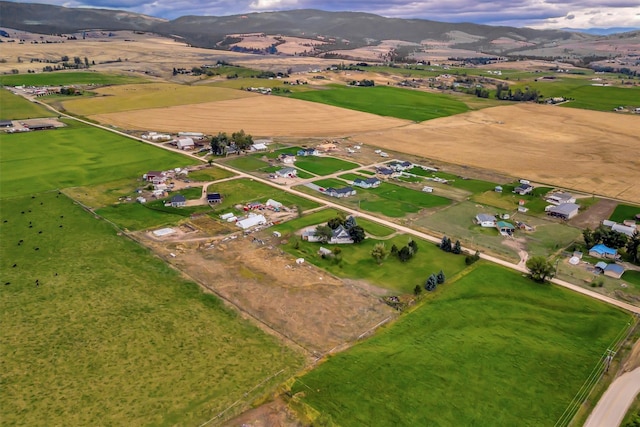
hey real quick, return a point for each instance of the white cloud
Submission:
(273, 4)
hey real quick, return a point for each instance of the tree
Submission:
(457, 249)
(440, 277)
(335, 222)
(443, 242)
(324, 233)
(589, 238)
(540, 269)
(350, 222)
(614, 239)
(431, 283)
(417, 290)
(357, 234)
(210, 162)
(379, 252)
(405, 254)
(633, 246)
(470, 259)
(242, 140)
(413, 245)
(394, 250)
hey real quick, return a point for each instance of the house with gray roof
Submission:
(565, 210)
(485, 220)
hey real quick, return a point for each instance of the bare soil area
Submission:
(589, 151)
(262, 116)
(593, 216)
(273, 414)
(313, 309)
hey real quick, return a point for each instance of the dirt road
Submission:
(615, 402)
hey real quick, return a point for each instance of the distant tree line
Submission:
(221, 144)
(505, 93)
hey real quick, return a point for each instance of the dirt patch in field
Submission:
(275, 413)
(261, 115)
(588, 151)
(313, 309)
(593, 216)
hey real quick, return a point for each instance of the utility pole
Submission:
(608, 358)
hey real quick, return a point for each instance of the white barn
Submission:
(251, 221)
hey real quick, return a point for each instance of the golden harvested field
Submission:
(261, 115)
(590, 151)
(114, 99)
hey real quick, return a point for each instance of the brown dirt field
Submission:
(301, 302)
(589, 151)
(593, 216)
(263, 115)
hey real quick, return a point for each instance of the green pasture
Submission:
(135, 216)
(75, 155)
(387, 101)
(509, 201)
(493, 348)
(622, 212)
(243, 190)
(632, 278)
(15, 107)
(324, 165)
(314, 218)
(584, 94)
(331, 182)
(467, 184)
(210, 174)
(111, 335)
(275, 153)
(272, 169)
(352, 176)
(63, 78)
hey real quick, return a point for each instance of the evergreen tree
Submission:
(440, 277)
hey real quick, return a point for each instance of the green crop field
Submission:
(632, 277)
(324, 165)
(67, 78)
(97, 331)
(374, 228)
(74, 156)
(355, 260)
(493, 348)
(243, 190)
(352, 176)
(14, 107)
(387, 101)
(471, 185)
(623, 212)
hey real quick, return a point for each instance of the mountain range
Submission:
(345, 30)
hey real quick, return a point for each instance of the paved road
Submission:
(615, 402)
(518, 267)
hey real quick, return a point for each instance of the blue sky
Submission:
(518, 13)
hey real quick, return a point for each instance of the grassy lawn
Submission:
(356, 261)
(374, 228)
(632, 278)
(246, 163)
(67, 78)
(210, 174)
(15, 107)
(395, 201)
(472, 185)
(241, 191)
(352, 176)
(324, 165)
(623, 212)
(112, 335)
(387, 101)
(76, 155)
(331, 182)
(509, 201)
(301, 174)
(135, 216)
(492, 348)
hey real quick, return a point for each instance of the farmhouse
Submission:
(287, 173)
(400, 166)
(340, 192)
(523, 189)
(287, 159)
(386, 173)
(602, 251)
(185, 143)
(564, 210)
(560, 198)
(340, 236)
(154, 176)
(486, 220)
(178, 201)
(310, 235)
(366, 183)
(213, 198)
(251, 221)
(305, 152)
